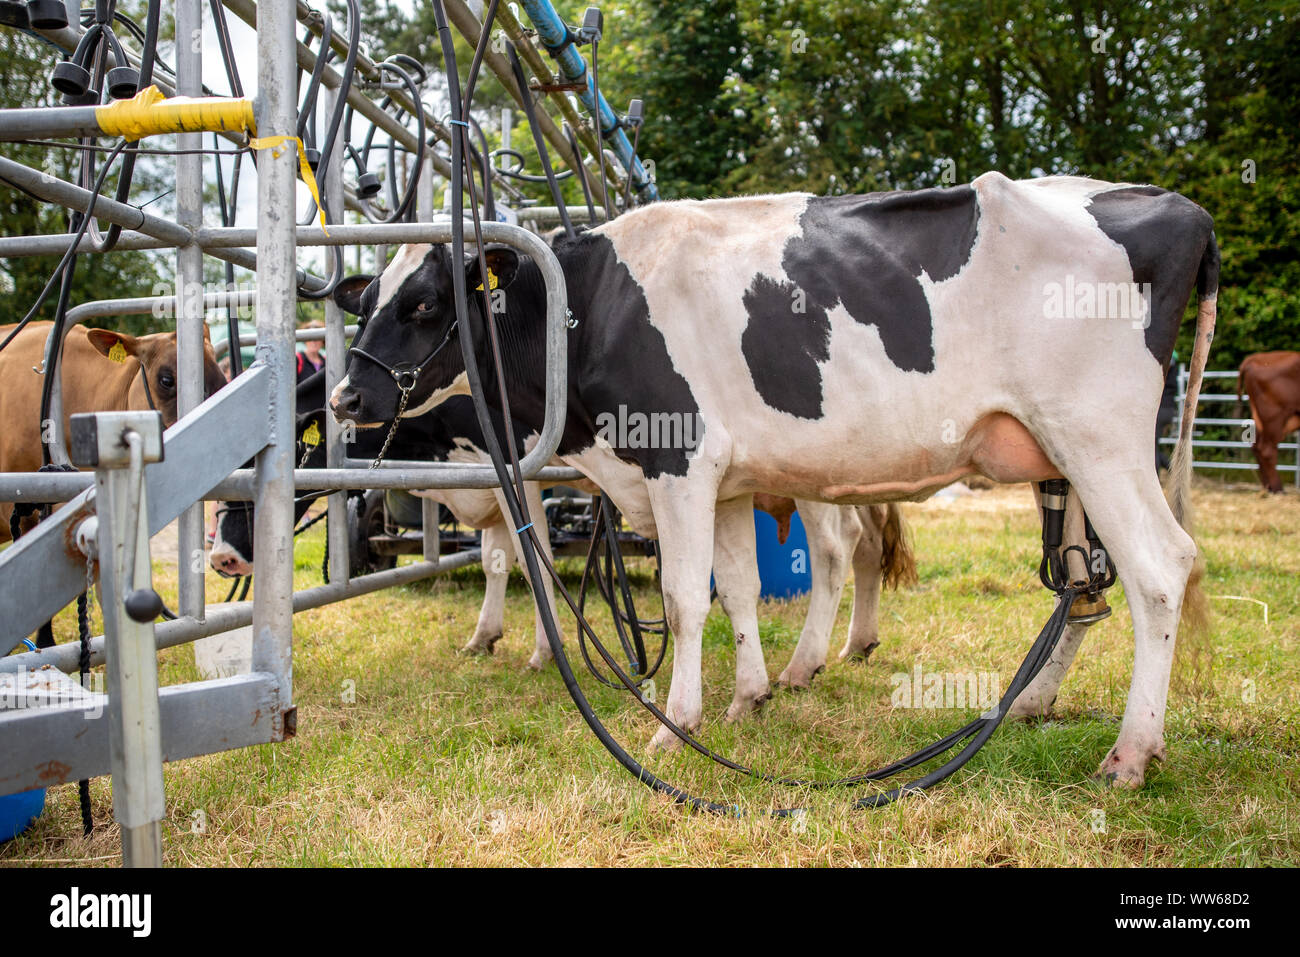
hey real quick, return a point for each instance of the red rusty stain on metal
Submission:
(70, 535)
(52, 772)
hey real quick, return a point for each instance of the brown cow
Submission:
(1272, 381)
(102, 372)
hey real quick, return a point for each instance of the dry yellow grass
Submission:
(448, 760)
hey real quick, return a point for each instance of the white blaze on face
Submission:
(459, 386)
(338, 391)
(404, 264)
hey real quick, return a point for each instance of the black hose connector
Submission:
(123, 82)
(47, 14)
(70, 79)
(1051, 571)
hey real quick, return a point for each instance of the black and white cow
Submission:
(449, 433)
(854, 349)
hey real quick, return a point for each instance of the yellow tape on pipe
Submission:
(308, 177)
(149, 113)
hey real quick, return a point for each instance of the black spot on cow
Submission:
(783, 343)
(623, 384)
(625, 362)
(1164, 235)
(868, 254)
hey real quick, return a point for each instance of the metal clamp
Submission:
(112, 440)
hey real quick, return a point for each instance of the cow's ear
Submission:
(347, 294)
(113, 345)
(502, 263)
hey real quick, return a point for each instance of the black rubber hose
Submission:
(148, 52)
(595, 125)
(530, 112)
(582, 174)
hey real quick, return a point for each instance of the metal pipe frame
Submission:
(469, 25)
(53, 190)
(191, 472)
(277, 303)
(189, 291)
(557, 38)
(241, 484)
(440, 232)
(226, 617)
(336, 336)
(249, 11)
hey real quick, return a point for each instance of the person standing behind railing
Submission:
(310, 359)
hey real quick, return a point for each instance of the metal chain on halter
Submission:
(397, 419)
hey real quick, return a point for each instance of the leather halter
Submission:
(400, 375)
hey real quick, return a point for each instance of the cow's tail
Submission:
(897, 562)
(1178, 491)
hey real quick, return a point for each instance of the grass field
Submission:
(444, 759)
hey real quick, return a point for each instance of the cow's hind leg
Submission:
(735, 572)
(1154, 558)
(832, 531)
(868, 576)
(497, 552)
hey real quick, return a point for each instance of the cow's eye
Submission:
(423, 307)
(166, 379)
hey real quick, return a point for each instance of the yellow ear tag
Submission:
(493, 281)
(311, 436)
(118, 352)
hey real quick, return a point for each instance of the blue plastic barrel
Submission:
(19, 811)
(783, 570)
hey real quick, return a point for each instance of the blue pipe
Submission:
(557, 38)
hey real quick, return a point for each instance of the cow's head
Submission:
(409, 333)
(156, 358)
(232, 548)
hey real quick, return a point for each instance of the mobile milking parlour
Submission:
(119, 90)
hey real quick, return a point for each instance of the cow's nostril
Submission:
(348, 404)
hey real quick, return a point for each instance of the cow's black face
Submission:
(409, 333)
(232, 548)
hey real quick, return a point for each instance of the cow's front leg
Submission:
(735, 571)
(496, 549)
(546, 603)
(832, 532)
(684, 516)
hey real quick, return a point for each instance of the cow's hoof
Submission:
(1030, 708)
(539, 661)
(665, 742)
(481, 646)
(742, 707)
(858, 656)
(798, 679)
(1126, 767)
